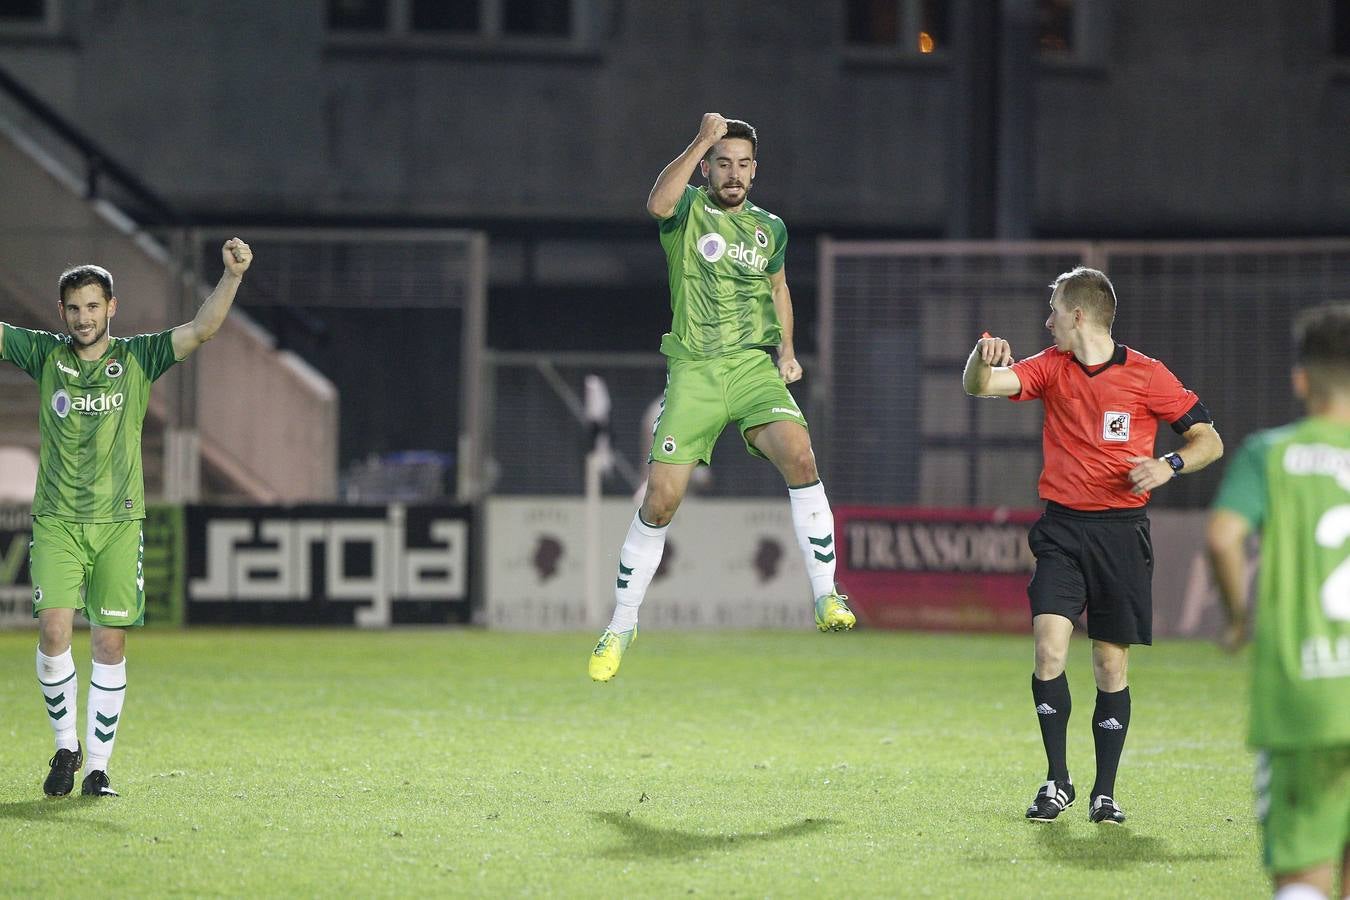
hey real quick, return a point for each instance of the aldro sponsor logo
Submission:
(63, 403)
(712, 247)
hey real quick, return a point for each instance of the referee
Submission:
(1102, 403)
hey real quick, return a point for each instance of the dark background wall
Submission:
(1029, 118)
(1200, 117)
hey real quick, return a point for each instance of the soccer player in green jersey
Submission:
(90, 499)
(730, 307)
(1292, 485)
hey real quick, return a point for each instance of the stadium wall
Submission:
(1207, 117)
(728, 564)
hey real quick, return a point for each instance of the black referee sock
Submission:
(1052, 709)
(1110, 722)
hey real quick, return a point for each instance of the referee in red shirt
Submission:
(1102, 404)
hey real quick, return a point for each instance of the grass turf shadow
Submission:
(642, 840)
(1113, 847)
(59, 809)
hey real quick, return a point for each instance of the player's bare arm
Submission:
(987, 373)
(237, 257)
(665, 195)
(788, 368)
(1226, 540)
(1202, 446)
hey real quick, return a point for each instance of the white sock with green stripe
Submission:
(814, 524)
(59, 683)
(107, 690)
(638, 560)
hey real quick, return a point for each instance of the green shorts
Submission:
(703, 395)
(93, 567)
(1303, 802)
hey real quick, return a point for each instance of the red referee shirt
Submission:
(1095, 419)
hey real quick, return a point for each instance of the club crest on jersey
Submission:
(1116, 426)
(37, 595)
(668, 445)
(761, 237)
(712, 247)
(114, 368)
(61, 403)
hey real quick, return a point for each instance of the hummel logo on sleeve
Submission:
(1110, 724)
(1045, 709)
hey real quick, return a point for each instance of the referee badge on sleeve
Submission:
(1116, 426)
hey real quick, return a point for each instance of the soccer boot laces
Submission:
(61, 779)
(608, 653)
(1104, 810)
(1052, 799)
(832, 612)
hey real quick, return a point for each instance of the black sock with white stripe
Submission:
(1110, 723)
(1053, 706)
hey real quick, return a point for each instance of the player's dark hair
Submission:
(1091, 290)
(81, 276)
(1322, 345)
(738, 129)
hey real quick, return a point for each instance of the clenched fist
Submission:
(713, 127)
(237, 256)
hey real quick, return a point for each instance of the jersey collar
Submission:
(1117, 359)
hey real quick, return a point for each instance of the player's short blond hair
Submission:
(1089, 290)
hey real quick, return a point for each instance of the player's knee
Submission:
(1050, 662)
(1109, 674)
(800, 466)
(658, 508)
(53, 638)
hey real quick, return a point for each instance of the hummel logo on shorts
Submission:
(1045, 709)
(1110, 724)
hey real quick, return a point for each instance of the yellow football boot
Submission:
(608, 653)
(832, 613)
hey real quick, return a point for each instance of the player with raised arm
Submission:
(1103, 402)
(90, 500)
(730, 307)
(1292, 485)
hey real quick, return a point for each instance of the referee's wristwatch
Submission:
(1174, 460)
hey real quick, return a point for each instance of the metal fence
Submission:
(899, 319)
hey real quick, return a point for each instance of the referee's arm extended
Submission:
(987, 373)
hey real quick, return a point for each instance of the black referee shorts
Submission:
(1101, 561)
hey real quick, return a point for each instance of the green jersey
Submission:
(719, 263)
(1293, 483)
(89, 419)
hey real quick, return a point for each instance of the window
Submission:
(466, 22)
(1071, 33)
(897, 27)
(1054, 27)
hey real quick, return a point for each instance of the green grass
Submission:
(465, 763)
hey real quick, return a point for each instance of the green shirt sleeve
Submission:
(154, 352)
(28, 349)
(681, 213)
(1243, 489)
(780, 248)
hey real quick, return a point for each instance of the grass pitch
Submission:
(465, 763)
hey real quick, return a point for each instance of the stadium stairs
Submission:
(266, 421)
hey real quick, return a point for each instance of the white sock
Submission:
(103, 717)
(56, 675)
(1299, 891)
(814, 524)
(638, 559)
